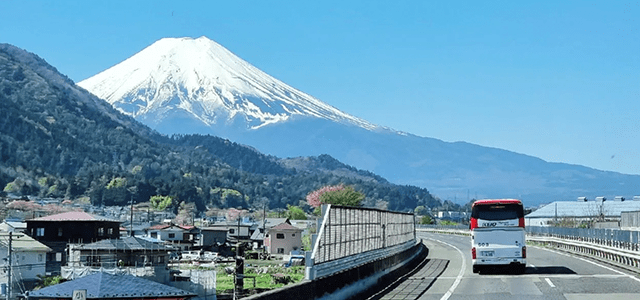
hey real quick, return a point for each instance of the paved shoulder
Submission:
(413, 286)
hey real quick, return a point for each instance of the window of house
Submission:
(60, 231)
(110, 231)
(59, 256)
(101, 231)
(40, 257)
(280, 236)
(154, 235)
(293, 234)
(172, 235)
(40, 231)
(280, 250)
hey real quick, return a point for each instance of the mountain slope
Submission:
(58, 140)
(196, 86)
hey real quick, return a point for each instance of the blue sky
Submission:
(559, 80)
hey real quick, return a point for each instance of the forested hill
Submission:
(57, 140)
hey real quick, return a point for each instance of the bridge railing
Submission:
(621, 239)
(351, 236)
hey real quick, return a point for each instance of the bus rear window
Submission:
(497, 212)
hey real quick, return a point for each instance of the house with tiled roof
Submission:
(113, 287)
(182, 236)
(57, 231)
(27, 259)
(257, 237)
(283, 238)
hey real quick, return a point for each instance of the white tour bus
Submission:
(497, 234)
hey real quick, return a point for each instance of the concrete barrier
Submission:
(352, 282)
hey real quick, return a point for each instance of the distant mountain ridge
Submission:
(166, 87)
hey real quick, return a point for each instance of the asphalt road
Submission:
(549, 275)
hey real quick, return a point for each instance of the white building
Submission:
(28, 260)
(581, 210)
(283, 239)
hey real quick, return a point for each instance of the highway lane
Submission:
(549, 275)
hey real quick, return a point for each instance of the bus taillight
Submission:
(473, 223)
(473, 252)
(521, 222)
(524, 251)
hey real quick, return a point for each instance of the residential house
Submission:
(113, 287)
(257, 237)
(57, 231)
(138, 229)
(212, 237)
(234, 230)
(28, 260)
(13, 226)
(283, 239)
(182, 236)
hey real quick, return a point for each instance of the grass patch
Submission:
(261, 273)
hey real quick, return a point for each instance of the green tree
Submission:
(420, 210)
(295, 213)
(117, 182)
(45, 281)
(160, 202)
(426, 220)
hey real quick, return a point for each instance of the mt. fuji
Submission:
(189, 86)
(178, 79)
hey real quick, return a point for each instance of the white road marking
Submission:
(460, 274)
(591, 262)
(549, 282)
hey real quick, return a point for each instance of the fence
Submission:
(623, 239)
(350, 236)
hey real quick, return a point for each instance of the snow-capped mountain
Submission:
(199, 79)
(188, 86)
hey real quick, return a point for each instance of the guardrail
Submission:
(352, 236)
(621, 239)
(621, 257)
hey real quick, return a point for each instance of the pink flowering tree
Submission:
(233, 214)
(314, 198)
(334, 194)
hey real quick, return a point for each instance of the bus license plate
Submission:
(487, 253)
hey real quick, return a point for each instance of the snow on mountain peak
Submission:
(206, 81)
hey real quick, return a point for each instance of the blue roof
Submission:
(582, 209)
(103, 285)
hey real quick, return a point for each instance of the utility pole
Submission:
(9, 271)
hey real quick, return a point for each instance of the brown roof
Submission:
(73, 216)
(285, 226)
(165, 226)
